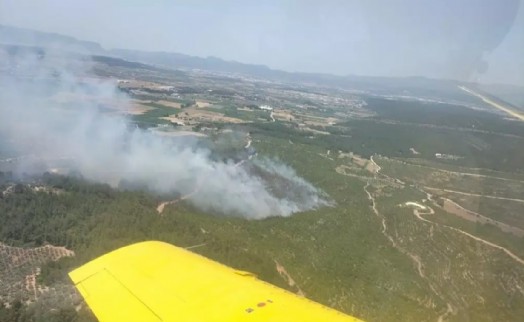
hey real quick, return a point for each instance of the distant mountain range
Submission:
(422, 86)
(27, 37)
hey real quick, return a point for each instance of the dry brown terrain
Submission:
(283, 115)
(289, 280)
(313, 131)
(139, 84)
(316, 120)
(19, 268)
(457, 210)
(137, 109)
(179, 133)
(170, 104)
(193, 116)
(367, 164)
(202, 104)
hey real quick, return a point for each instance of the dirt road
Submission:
(454, 208)
(474, 194)
(469, 174)
(415, 258)
(377, 167)
(162, 205)
(421, 210)
(418, 214)
(289, 280)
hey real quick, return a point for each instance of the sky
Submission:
(474, 40)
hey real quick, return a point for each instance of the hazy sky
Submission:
(462, 39)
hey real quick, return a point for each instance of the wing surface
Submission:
(156, 281)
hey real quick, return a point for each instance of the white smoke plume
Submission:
(49, 109)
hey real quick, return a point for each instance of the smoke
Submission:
(49, 108)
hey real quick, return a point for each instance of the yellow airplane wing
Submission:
(156, 281)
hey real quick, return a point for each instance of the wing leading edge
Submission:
(156, 281)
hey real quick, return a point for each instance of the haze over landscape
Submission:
(364, 155)
(466, 40)
(40, 120)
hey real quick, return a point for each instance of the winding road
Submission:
(417, 213)
(431, 212)
(474, 194)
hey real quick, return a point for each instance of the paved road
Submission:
(494, 104)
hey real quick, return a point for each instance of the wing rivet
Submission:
(249, 310)
(261, 304)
